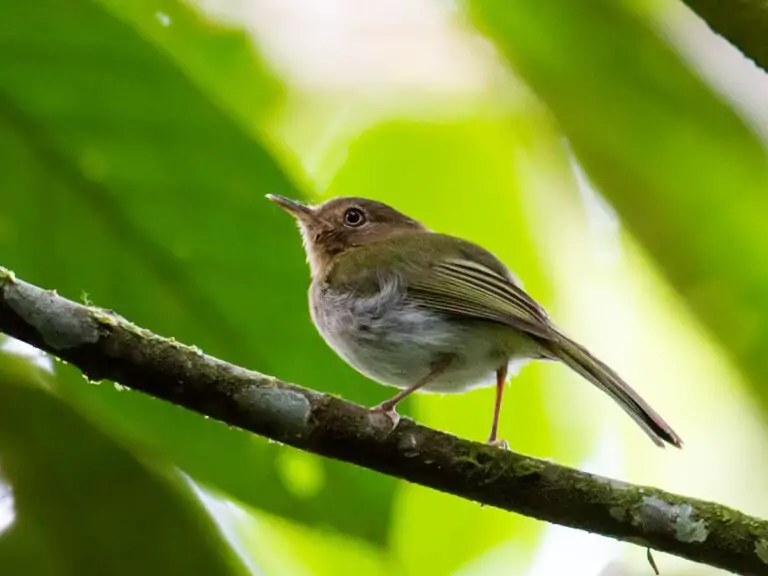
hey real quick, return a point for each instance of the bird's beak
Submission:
(295, 208)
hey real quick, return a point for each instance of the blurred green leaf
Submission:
(124, 183)
(84, 504)
(222, 62)
(686, 175)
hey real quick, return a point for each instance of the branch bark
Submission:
(744, 23)
(105, 346)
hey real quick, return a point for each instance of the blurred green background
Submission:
(611, 152)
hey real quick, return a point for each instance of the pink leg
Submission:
(388, 406)
(501, 377)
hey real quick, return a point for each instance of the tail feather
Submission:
(580, 360)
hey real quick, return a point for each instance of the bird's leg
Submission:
(501, 377)
(388, 406)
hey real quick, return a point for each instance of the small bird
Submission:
(419, 310)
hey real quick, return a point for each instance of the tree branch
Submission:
(105, 346)
(744, 23)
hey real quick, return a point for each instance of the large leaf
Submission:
(122, 180)
(84, 504)
(687, 176)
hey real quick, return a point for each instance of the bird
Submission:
(418, 310)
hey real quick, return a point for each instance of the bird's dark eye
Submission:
(354, 217)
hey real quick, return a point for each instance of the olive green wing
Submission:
(472, 289)
(447, 274)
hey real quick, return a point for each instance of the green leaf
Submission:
(84, 504)
(686, 175)
(127, 183)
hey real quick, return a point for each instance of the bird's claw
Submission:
(503, 444)
(388, 411)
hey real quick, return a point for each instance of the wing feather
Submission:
(470, 289)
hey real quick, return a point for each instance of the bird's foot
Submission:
(387, 410)
(503, 444)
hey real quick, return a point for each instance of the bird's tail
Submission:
(579, 359)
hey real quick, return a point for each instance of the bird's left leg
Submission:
(437, 368)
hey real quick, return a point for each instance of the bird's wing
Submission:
(471, 289)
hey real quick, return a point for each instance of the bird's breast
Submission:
(380, 323)
(393, 341)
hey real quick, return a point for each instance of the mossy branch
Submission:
(105, 346)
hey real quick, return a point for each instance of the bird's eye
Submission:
(354, 217)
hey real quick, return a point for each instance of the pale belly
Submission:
(397, 344)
